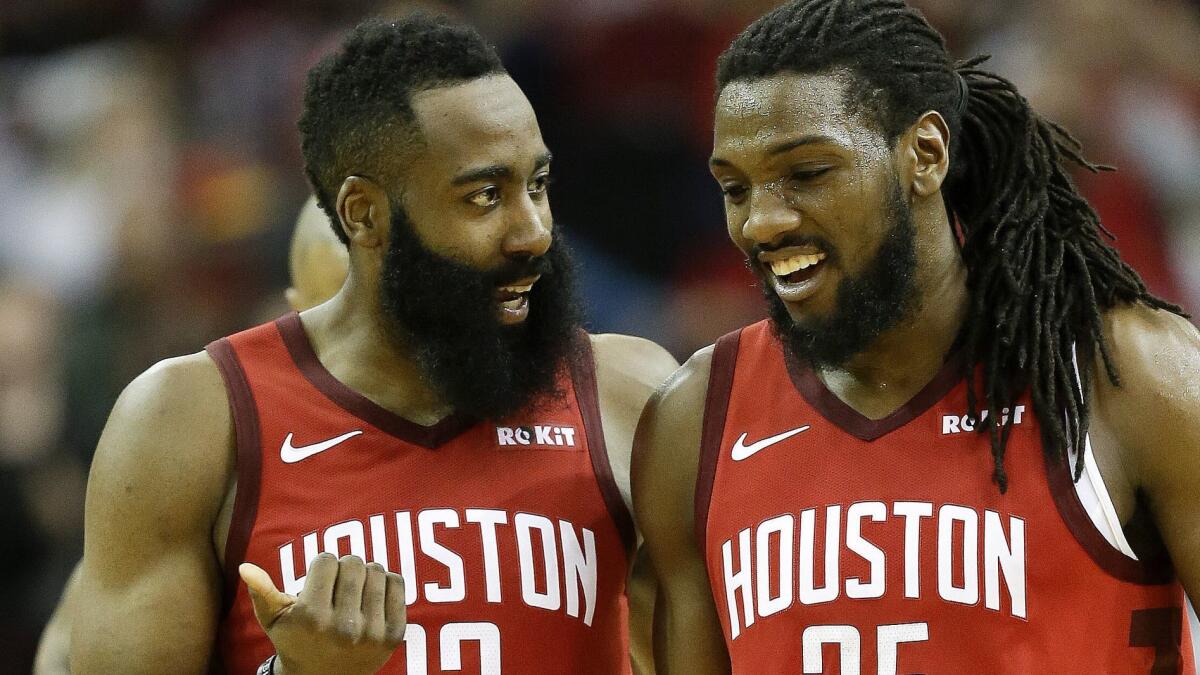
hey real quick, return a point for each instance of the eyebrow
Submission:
(782, 147)
(496, 171)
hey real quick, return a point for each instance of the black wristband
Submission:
(268, 666)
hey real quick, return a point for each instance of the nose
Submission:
(529, 231)
(770, 217)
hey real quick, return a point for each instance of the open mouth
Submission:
(797, 268)
(513, 300)
(795, 271)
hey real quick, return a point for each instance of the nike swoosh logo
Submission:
(291, 455)
(742, 451)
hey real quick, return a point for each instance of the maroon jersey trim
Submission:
(716, 409)
(1075, 516)
(583, 375)
(301, 350)
(249, 463)
(855, 423)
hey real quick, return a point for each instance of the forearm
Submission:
(687, 642)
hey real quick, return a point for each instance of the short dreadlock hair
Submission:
(1039, 271)
(358, 100)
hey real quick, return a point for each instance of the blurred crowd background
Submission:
(150, 175)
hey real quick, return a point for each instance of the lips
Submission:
(795, 271)
(512, 299)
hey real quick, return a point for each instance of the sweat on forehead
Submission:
(773, 115)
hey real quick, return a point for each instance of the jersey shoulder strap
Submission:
(716, 408)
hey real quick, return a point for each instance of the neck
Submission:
(349, 337)
(901, 361)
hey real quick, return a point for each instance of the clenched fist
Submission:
(349, 618)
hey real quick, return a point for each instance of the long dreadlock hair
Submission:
(1039, 271)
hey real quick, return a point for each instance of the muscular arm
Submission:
(628, 370)
(1152, 422)
(149, 582)
(687, 631)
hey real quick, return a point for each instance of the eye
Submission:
(733, 192)
(485, 198)
(540, 184)
(808, 174)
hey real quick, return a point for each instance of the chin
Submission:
(806, 312)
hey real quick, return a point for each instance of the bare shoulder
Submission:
(628, 370)
(677, 409)
(168, 417)
(666, 454)
(1157, 356)
(686, 389)
(635, 361)
(1153, 417)
(669, 430)
(167, 445)
(1153, 409)
(175, 384)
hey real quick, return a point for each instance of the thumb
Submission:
(269, 602)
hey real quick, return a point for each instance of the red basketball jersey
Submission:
(838, 544)
(512, 537)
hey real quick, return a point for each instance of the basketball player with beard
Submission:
(966, 439)
(317, 263)
(435, 458)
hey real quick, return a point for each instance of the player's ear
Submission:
(362, 208)
(926, 156)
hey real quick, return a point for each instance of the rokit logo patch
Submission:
(537, 436)
(958, 424)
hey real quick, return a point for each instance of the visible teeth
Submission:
(782, 268)
(517, 289)
(515, 303)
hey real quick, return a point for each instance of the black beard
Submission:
(868, 304)
(444, 314)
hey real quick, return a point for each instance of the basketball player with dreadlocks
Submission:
(426, 473)
(966, 440)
